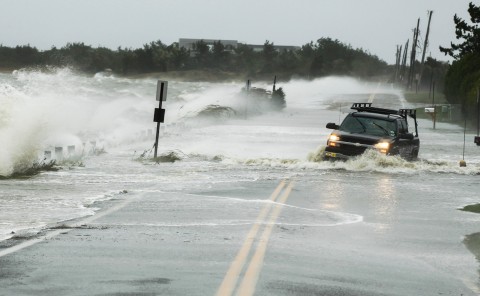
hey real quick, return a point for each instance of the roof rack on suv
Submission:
(408, 112)
(367, 107)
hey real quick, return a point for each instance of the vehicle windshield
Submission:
(369, 126)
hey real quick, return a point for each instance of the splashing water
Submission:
(374, 161)
(41, 110)
(58, 107)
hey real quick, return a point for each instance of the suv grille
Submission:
(351, 150)
(347, 145)
(356, 139)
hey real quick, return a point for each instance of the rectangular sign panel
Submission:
(159, 115)
(162, 90)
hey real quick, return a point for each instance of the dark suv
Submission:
(369, 127)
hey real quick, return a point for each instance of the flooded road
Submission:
(375, 225)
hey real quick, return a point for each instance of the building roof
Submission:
(189, 42)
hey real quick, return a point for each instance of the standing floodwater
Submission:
(214, 141)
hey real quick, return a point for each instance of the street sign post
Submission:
(159, 114)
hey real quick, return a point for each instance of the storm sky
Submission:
(376, 26)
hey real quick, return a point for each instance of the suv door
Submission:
(405, 140)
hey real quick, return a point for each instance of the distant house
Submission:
(279, 48)
(188, 43)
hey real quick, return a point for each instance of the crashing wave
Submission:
(217, 111)
(211, 112)
(167, 156)
(170, 156)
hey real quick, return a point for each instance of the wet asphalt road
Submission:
(312, 234)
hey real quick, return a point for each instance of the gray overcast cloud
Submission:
(377, 26)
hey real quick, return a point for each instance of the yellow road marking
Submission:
(231, 278)
(236, 267)
(249, 282)
(370, 99)
(372, 95)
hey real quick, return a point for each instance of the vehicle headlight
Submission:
(332, 140)
(382, 147)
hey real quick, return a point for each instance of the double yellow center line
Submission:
(250, 277)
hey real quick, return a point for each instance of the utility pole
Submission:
(477, 138)
(431, 83)
(425, 45)
(247, 87)
(478, 114)
(398, 58)
(404, 62)
(413, 55)
(434, 107)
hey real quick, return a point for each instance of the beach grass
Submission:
(32, 170)
(425, 98)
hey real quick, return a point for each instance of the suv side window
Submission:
(402, 126)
